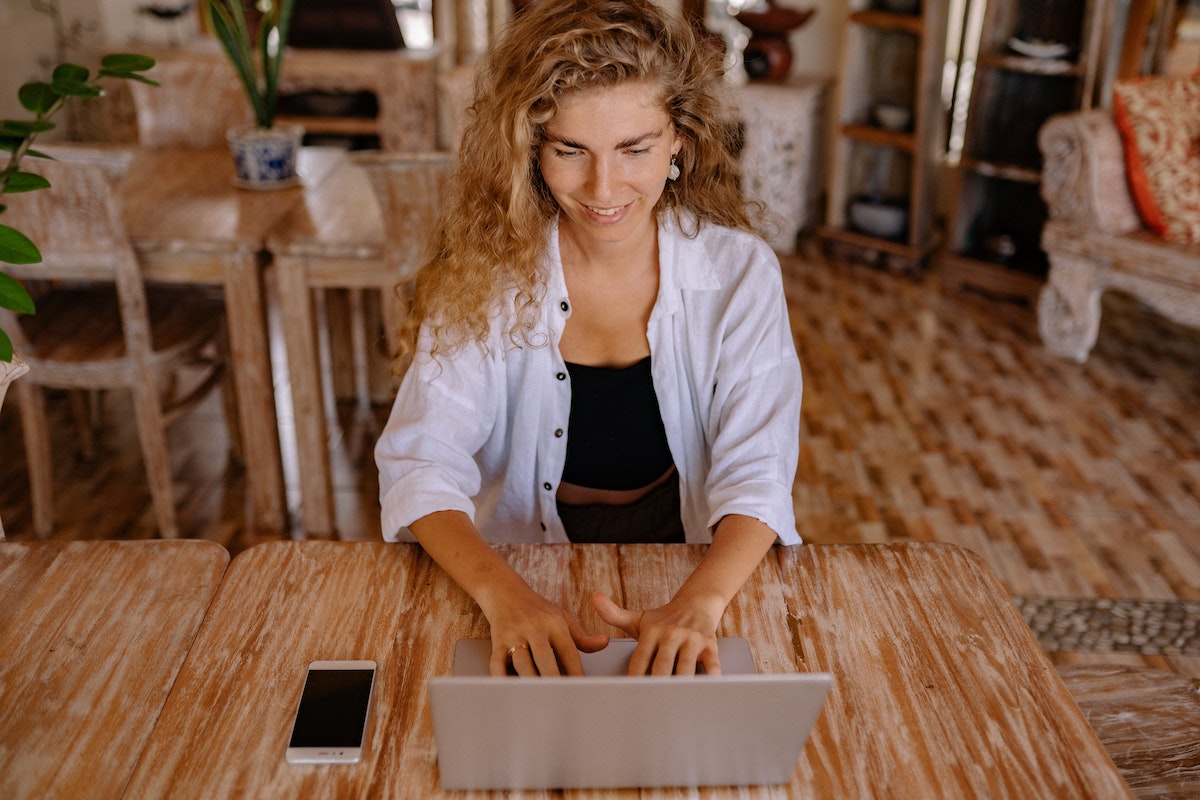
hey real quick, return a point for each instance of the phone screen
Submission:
(332, 716)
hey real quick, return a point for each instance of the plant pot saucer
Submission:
(286, 183)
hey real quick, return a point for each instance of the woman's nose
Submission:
(600, 177)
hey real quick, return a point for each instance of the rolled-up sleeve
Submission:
(754, 419)
(444, 412)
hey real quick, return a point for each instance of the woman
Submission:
(600, 347)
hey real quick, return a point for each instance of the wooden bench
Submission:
(1148, 721)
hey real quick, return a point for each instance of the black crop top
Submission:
(615, 436)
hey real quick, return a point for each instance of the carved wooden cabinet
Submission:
(1032, 59)
(780, 155)
(888, 135)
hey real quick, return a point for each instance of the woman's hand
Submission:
(672, 639)
(537, 636)
(533, 635)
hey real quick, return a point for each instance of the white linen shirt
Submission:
(484, 431)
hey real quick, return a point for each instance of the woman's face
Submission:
(605, 159)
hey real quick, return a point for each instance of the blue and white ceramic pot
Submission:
(265, 158)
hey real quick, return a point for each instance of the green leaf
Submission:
(25, 182)
(77, 89)
(14, 297)
(126, 62)
(6, 348)
(229, 26)
(16, 248)
(128, 76)
(70, 73)
(38, 97)
(24, 129)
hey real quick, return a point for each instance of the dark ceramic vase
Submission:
(768, 55)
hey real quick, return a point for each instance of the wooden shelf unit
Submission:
(894, 58)
(997, 212)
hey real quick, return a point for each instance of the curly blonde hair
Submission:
(497, 211)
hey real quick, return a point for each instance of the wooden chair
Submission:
(408, 187)
(197, 101)
(9, 372)
(347, 241)
(455, 88)
(98, 327)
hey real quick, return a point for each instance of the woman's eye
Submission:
(639, 151)
(566, 153)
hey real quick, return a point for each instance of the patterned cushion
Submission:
(1159, 120)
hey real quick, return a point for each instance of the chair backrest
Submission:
(79, 228)
(197, 100)
(77, 223)
(409, 188)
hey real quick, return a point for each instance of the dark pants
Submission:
(652, 520)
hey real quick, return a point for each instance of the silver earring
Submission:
(673, 170)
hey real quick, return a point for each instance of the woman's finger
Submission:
(617, 616)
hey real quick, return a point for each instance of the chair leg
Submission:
(83, 403)
(38, 454)
(153, 437)
(229, 404)
(393, 305)
(361, 351)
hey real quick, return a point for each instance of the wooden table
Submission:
(190, 225)
(334, 239)
(92, 635)
(940, 688)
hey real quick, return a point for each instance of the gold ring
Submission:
(515, 648)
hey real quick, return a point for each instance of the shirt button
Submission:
(547, 486)
(558, 433)
(564, 306)
(562, 376)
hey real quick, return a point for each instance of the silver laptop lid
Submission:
(608, 730)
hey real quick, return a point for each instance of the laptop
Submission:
(608, 730)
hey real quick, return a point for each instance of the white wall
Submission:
(25, 37)
(816, 47)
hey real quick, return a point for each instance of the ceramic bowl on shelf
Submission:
(1038, 49)
(893, 116)
(878, 215)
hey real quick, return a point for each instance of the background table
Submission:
(189, 224)
(92, 635)
(334, 239)
(940, 689)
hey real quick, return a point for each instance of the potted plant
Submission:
(44, 100)
(264, 153)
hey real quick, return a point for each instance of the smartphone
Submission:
(331, 720)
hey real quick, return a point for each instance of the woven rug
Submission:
(1149, 627)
